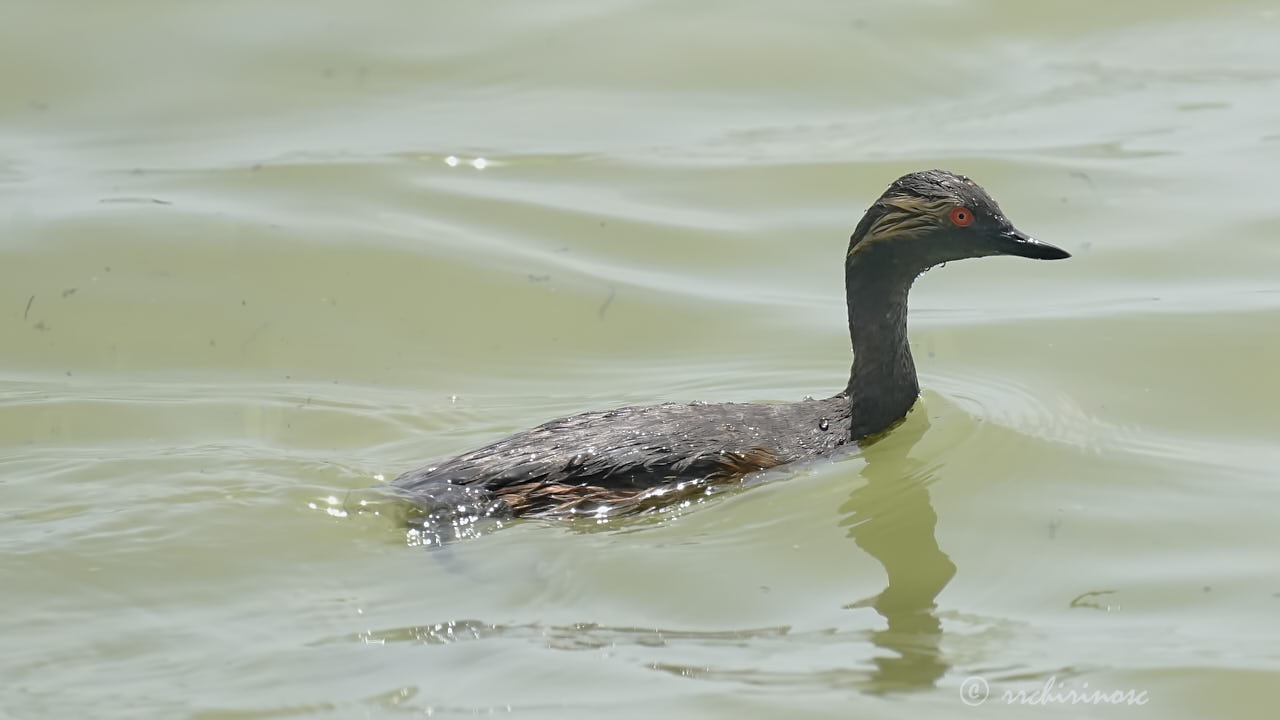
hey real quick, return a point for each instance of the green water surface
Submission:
(257, 257)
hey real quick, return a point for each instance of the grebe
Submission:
(635, 457)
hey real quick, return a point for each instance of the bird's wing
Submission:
(617, 452)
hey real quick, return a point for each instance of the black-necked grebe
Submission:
(637, 457)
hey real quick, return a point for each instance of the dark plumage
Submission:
(634, 457)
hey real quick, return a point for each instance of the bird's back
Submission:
(617, 457)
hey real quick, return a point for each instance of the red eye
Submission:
(961, 216)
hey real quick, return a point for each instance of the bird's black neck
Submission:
(882, 385)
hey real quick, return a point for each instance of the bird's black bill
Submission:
(1016, 242)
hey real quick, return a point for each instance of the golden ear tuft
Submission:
(902, 216)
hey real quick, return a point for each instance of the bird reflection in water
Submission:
(892, 519)
(889, 515)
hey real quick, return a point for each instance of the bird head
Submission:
(931, 217)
